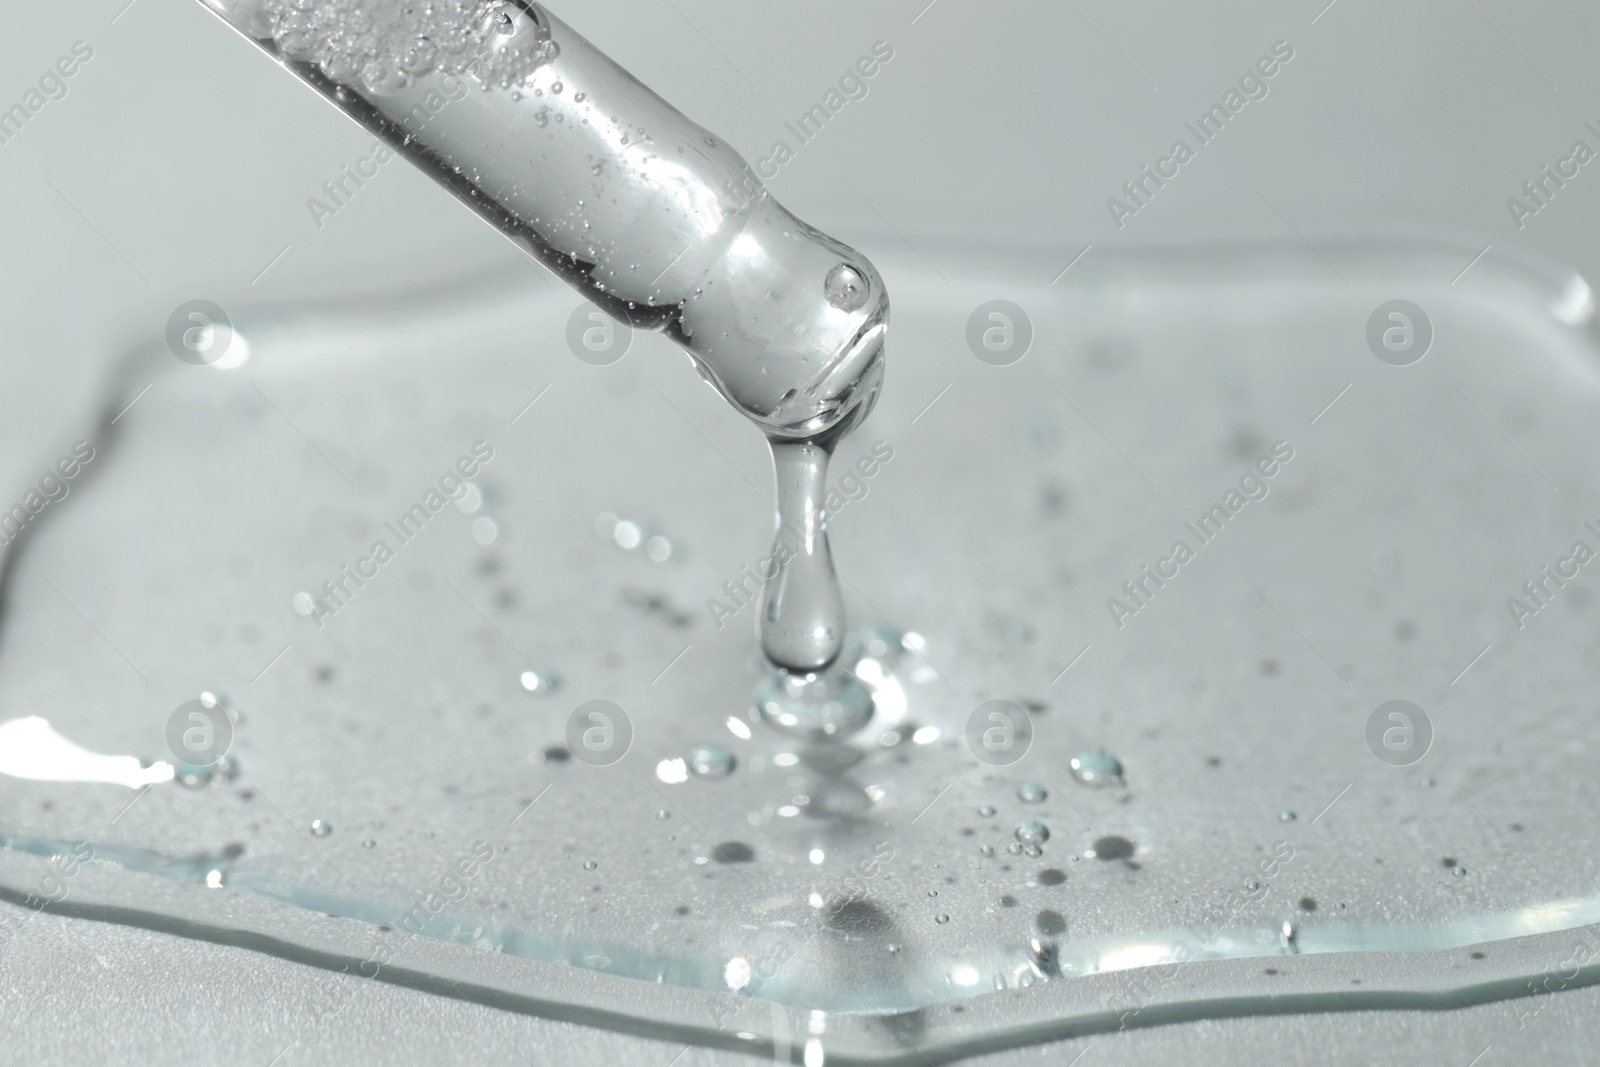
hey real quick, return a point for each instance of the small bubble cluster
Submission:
(198, 776)
(1030, 839)
(383, 46)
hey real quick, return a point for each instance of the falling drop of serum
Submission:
(802, 613)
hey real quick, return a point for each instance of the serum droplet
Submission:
(711, 761)
(1097, 767)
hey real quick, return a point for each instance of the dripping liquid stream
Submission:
(811, 695)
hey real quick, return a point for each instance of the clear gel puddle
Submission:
(667, 905)
(994, 968)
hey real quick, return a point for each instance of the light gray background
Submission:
(180, 162)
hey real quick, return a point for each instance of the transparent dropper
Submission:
(653, 218)
(646, 213)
